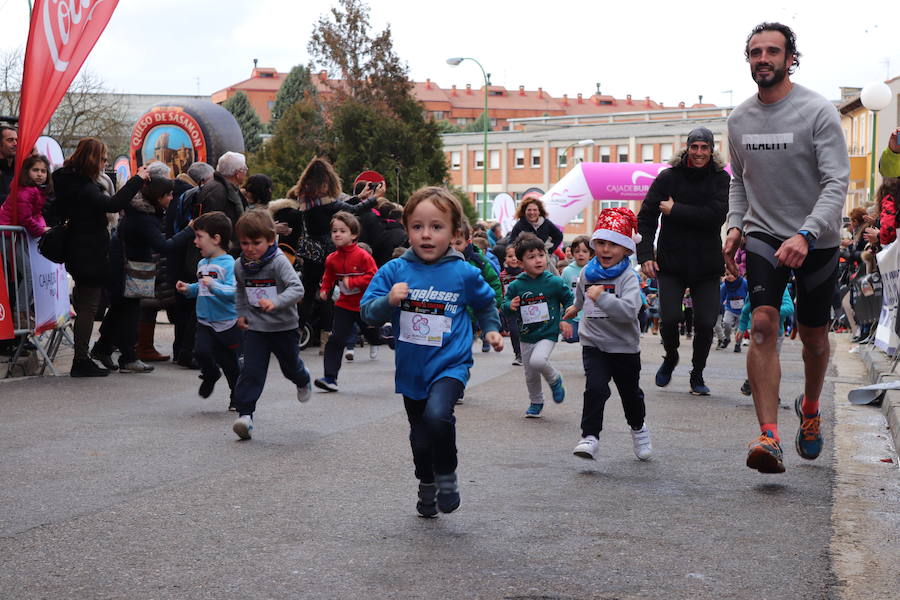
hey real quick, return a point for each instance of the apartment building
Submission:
(460, 106)
(537, 153)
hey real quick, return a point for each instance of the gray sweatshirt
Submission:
(611, 323)
(276, 281)
(790, 167)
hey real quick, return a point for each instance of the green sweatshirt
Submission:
(543, 299)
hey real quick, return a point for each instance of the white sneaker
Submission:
(349, 354)
(243, 426)
(373, 352)
(587, 447)
(643, 449)
(304, 392)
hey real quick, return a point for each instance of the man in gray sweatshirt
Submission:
(790, 172)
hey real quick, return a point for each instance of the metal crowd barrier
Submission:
(14, 256)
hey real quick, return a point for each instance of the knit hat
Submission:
(617, 225)
(701, 134)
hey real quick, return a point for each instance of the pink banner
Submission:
(621, 181)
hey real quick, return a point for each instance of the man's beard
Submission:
(777, 77)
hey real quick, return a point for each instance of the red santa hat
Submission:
(618, 225)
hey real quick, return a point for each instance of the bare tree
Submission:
(87, 109)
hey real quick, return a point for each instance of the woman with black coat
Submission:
(84, 204)
(533, 219)
(318, 192)
(692, 199)
(138, 237)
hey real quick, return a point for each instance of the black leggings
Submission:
(705, 295)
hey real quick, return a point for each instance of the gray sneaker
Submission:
(135, 366)
(243, 426)
(304, 392)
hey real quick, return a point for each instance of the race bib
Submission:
(202, 290)
(259, 289)
(423, 322)
(535, 313)
(736, 303)
(591, 310)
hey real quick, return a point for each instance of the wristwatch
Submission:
(809, 237)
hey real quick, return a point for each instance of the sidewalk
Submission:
(878, 368)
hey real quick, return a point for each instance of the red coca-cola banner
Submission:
(62, 34)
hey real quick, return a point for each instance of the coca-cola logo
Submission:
(60, 19)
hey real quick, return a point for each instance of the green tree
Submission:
(299, 135)
(466, 203)
(251, 127)
(297, 86)
(477, 126)
(376, 122)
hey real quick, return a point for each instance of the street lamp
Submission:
(455, 62)
(582, 143)
(875, 96)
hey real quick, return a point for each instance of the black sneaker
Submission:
(104, 359)
(737, 347)
(207, 385)
(698, 388)
(664, 374)
(85, 367)
(745, 389)
(447, 492)
(427, 504)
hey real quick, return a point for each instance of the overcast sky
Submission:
(670, 51)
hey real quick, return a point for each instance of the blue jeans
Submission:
(258, 345)
(432, 429)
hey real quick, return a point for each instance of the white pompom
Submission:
(637, 238)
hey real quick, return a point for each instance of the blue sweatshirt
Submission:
(215, 304)
(733, 295)
(432, 327)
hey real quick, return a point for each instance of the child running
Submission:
(425, 294)
(268, 291)
(610, 294)
(581, 253)
(538, 297)
(350, 268)
(218, 338)
(511, 270)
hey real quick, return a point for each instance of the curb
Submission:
(878, 368)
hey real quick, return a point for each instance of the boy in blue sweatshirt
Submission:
(425, 295)
(218, 338)
(733, 296)
(268, 290)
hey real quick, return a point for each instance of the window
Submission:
(479, 159)
(665, 152)
(455, 160)
(647, 153)
(438, 115)
(494, 155)
(604, 153)
(520, 159)
(562, 160)
(578, 155)
(482, 208)
(613, 204)
(461, 121)
(535, 159)
(493, 123)
(623, 154)
(579, 218)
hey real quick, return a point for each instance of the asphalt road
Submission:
(132, 486)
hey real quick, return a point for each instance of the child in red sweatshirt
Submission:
(350, 268)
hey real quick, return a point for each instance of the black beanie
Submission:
(701, 134)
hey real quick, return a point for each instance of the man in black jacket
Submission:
(692, 198)
(9, 142)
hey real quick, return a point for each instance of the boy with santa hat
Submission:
(609, 292)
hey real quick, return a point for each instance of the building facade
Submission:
(458, 106)
(538, 154)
